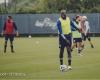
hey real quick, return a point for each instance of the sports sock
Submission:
(5, 48)
(61, 61)
(69, 62)
(12, 50)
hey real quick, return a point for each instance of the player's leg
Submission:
(79, 45)
(74, 45)
(59, 42)
(11, 43)
(5, 44)
(89, 39)
(62, 66)
(83, 40)
(69, 51)
(61, 55)
(69, 55)
(61, 47)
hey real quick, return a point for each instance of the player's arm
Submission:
(15, 27)
(76, 25)
(73, 26)
(87, 27)
(60, 29)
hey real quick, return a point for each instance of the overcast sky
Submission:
(2, 1)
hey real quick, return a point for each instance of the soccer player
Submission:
(9, 31)
(64, 29)
(76, 34)
(86, 31)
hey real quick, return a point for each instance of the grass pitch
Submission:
(37, 59)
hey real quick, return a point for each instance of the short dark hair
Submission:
(10, 17)
(77, 16)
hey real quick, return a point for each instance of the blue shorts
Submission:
(9, 37)
(75, 40)
(62, 41)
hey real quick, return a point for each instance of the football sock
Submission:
(61, 61)
(12, 49)
(69, 62)
(5, 46)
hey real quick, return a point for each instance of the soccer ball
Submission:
(29, 36)
(63, 68)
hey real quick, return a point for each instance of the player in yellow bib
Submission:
(76, 34)
(64, 28)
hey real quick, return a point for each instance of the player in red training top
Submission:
(9, 31)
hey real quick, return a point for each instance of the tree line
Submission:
(50, 6)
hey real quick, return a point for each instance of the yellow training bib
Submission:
(65, 24)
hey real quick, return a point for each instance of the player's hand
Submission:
(80, 30)
(67, 41)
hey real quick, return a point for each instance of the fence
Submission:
(45, 23)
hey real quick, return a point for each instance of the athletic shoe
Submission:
(69, 68)
(63, 68)
(80, 54)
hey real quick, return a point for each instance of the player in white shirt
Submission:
(86, 31)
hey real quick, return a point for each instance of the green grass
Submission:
(37, 59)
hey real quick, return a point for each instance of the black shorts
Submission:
(75, 40)
(62, 41)
(84, 37)
(9, 37)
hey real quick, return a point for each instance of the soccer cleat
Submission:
(63, 68)
(80, 54)
(69, 68)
